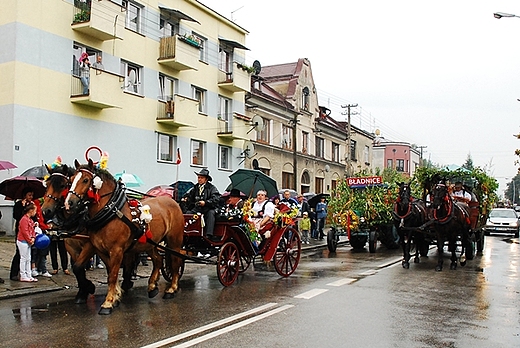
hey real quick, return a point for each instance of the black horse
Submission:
(451, 221)
(409, 215)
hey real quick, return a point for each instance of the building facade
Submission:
(400, 156)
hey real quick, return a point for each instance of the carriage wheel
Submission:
(228, 264)
(480, 242)
(332, 242)
(288, 252)
(372, 241)
(245, 261)
(166, 270)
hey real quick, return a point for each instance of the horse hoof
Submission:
(416, 260)
(406, 265)
(463, 263)
(438, 268)
(116, 304)
(153, 293)
(105, 311)
(127, 285)
(91, 288)
(453, 266)
(80, 299)
(168, 295)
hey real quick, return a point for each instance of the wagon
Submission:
(235, 250)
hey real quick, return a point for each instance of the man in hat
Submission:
(234, 200)
(204, 198)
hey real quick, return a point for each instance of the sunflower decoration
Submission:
(285, 215)
(247, 214)
(347, 219)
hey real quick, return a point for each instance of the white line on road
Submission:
(233, 327)
(210, 326)
(368, 273)
(342, 282)
(311, 293)
(390, 263)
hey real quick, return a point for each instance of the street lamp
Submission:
(499, 15)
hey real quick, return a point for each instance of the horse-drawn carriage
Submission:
(88, 201)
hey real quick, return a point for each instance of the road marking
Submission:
(342, 282)
(233, 327)
(311, 293)
(368, 273)
(390, 263)
(210, 326)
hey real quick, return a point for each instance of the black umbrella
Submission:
(180, 188)
(316, 199)
(37, 171)
(251, 180)
(14, 187)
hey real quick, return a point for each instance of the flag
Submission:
(179, 160)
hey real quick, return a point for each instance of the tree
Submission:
(469, 163)
(513, 188)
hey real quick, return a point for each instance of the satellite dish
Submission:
(257, 66)
(327, 168)
(248, 150)
(255, 164)
(257, 123)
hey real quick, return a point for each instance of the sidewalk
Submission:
(61, 281)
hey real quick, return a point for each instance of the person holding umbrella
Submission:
(204, 198)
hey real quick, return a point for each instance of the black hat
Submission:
(205, 172)
(235, 193)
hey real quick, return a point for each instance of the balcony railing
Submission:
(179, 111)
(237, 80)
(98, 19)
(177, 53)
(235, 127)
(102, 91)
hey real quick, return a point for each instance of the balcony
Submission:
(103, 91)
(98, 19)
(238, 80)
(236, 128)
(179, 111)
(179, 53)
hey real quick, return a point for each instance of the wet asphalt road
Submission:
(347, 299)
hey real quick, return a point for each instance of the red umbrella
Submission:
(160, 190)
(5, 165)
(15, 186)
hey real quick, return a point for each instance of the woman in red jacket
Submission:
(25, 240)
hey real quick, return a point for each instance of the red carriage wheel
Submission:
(166, 270)
(228, 264)
(245, 261)
(288, 252)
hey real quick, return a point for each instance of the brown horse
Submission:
(113, 225)
(451, 221)
(409, 215)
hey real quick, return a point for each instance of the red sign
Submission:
(366, 181)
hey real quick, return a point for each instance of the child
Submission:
(305, 226)
(24, 241)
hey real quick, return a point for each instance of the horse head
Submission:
(88, 184)
(441, 196)
(405, 194)
(57, 185)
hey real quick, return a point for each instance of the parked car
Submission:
(503, 220)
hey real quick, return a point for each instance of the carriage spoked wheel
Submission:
(228, 264)
(245, 261)
(166, 270)
(372, 241)
(288, 252)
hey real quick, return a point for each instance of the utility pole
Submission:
(422, 147)
(349, 146)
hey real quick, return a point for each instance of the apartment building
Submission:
(400, 156)
(172, 77)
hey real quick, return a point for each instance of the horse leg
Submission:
(129, 264)
(404, 236)
(417, 242)
(453, 250)
(440, 252)
(114, 289)
(176, 265)
(81, 254)
(157, 261)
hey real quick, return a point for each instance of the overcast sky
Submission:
(442, 74)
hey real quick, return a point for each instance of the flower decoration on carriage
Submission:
(97, 182)
(247, 215)
(56, 163)
(347, 219)
(285, 215)
(230, 214)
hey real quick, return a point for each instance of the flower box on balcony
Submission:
(191, 40)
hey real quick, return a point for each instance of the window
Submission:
(287, 180)
(353, 156)
(224, 109)
(133, 16)
(320, 148)
(167, 87)
(399, 165)
(197, 152)
(77, 51)
(202, 46)
(333, 185)
(335, 152)
(165, 146)
(305, 182)
(366, 152)
(168, 27)
(263, 135)
(224, 157)
(305, 98)
(318, 187)
(305, 142)
(389, 163)
(132, 74)
(287, 138)
(225, 59)
(200, 96)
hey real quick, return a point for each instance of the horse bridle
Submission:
(56, 199)
(449, 202)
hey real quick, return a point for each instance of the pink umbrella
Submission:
(83, 56)
(160, 190)
(5, 165)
